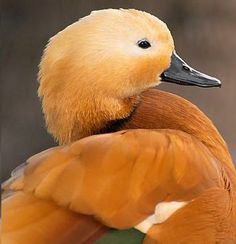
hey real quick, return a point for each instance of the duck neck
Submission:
(162, 110)
(99, 112)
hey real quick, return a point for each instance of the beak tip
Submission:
(219, 83)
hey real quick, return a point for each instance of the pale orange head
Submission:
(93, 71)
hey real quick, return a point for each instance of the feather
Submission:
(119, 178)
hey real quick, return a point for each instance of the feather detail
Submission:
(119, 178)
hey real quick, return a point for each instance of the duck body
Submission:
(130, 156)
(162, 115)
(139, 162)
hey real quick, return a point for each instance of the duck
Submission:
(130, 157)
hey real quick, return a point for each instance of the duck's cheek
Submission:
(155, 70)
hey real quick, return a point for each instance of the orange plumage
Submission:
(167, 149)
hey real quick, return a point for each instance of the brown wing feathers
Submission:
(120, 177)
(27, 219)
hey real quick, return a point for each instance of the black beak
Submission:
(180, 73)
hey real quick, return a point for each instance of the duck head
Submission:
(94, 70)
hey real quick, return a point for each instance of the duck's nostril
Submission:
(185, 67)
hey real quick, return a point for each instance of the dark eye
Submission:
(144, 44)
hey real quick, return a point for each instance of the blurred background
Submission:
(204, 34)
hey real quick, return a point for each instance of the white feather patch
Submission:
(162, 212)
